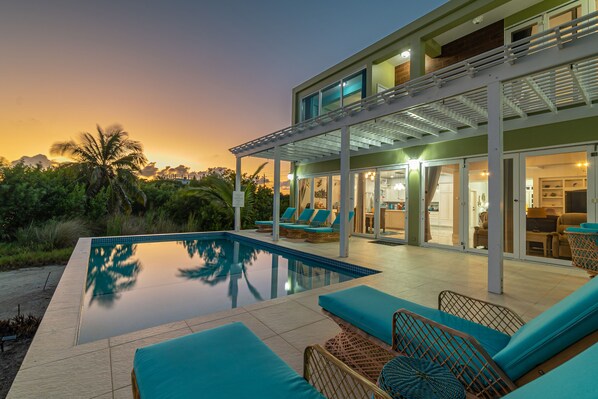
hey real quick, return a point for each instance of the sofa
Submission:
(480, 234)
(560, 244)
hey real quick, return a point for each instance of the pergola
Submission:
(542, 79)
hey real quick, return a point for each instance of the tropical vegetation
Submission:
(43, 212)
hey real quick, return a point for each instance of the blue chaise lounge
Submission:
(488, 347)
(575, 378)
(231, 362)
(298, 230)
(326, 234)
(265, 226)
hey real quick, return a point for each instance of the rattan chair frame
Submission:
(331, 377)
(334, 379)
(488, 314)
(418, 336)
(584, 251)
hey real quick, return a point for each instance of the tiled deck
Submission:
(56, 368)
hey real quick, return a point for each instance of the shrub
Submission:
(53, 234)
(20, 325)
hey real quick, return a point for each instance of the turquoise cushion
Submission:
(296, 226)
(581, 230)
(264, 222)
(372, 310)
(552, 331)
(319, 229)
(225, 362)
(573, 379)
(590, 225)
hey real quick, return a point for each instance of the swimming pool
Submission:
(139, 282)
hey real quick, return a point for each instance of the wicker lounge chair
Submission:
(488, 347)
(298, 230)
(583, 241)
(326, 234)
(303, 220)
(265, 226)
(574, 379)
(231, 362)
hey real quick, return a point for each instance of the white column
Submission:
(238, 188)
(495, 189)
(276, 201)
(295, 187)
(345, 192)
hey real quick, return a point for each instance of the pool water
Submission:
(132, 286)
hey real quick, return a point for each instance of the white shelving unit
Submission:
(552, 191)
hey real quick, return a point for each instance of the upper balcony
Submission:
(549, 75)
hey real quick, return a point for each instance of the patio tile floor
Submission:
(57, 368)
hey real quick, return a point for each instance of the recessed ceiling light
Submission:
(478, 20)
(406, 54)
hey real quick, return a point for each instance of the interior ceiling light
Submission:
(406, 53)
(478, 20)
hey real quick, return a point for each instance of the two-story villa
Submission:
(473, 128)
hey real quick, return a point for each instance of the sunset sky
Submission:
(189, 79)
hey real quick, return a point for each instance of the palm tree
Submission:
(109, 161)
(220, 189)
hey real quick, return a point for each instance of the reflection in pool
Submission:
(134, 286)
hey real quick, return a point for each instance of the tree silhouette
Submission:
(111, 271)
(220, 266)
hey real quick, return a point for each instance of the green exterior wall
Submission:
(557, 134)
(533, 11)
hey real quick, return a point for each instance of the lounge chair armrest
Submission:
(488, 314)
(419, 337)
(334, 379)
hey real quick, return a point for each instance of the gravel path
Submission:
(31, 288)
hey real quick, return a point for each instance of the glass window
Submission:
(310, 107)
(354, 88)
(558, 185)
(524, 32)
(442, 187)
(331, 97)
(321, 193)
(478, 204)
(365, 183)
(564, 17)
(393, 203)
(304, 194)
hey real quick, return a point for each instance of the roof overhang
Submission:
(545, 77)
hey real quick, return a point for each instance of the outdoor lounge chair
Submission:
(575, 378)
(298, 230)
(265, 226)
(231, 362)
(303, 220)
(326, 234)
(488, 347)
(583, 242)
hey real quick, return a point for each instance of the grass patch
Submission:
(14, 257)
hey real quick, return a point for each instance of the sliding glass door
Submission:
(365, 199)
(441, 204)
(391, 219)
(478, 203)
(559, 192)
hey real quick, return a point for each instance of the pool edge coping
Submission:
(57, 335)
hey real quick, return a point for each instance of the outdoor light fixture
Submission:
(406, 53)
(413, 164)
(478, 20)
(290, 176)
(287, 286)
